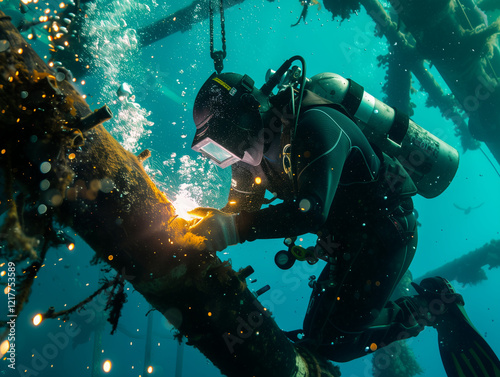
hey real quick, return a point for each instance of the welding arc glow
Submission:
(183, 204)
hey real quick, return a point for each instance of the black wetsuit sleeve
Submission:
(245, 194)
(319, 152)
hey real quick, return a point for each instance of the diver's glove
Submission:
(217, 227)
(181, 225)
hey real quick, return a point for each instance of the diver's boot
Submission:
(463, 350)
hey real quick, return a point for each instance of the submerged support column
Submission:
(466, 56)
(103, 193)
(413, 61)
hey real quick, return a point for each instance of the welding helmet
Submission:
(228, 121)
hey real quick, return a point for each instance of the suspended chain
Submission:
(217, 56)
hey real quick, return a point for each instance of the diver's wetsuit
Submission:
(360, 205)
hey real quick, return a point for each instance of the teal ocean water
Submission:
(164, 79)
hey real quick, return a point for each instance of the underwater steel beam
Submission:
(468, 269)
(102, 192)
(182, 21)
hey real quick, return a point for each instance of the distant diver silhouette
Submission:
(306, 4)
(468, 209)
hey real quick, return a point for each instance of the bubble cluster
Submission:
(191, 181)
(114, 46)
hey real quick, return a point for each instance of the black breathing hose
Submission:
(274, 80)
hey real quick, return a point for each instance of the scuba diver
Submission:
(357, 199)
(306, 4)
(468, 209)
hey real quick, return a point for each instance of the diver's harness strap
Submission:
(399, 127)
(353, 97)
(217, 56)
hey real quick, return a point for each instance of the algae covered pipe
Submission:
(468, 269)
(104, 194)
(466, 56)
(411, 59)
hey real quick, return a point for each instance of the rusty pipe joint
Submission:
(94, 119)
